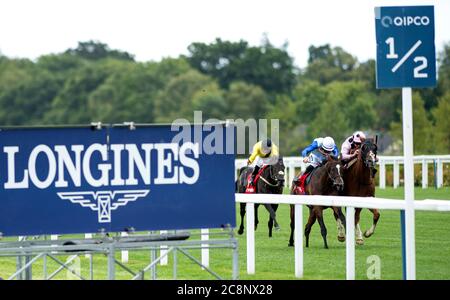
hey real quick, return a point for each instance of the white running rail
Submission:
(295, 163)
(349, 202)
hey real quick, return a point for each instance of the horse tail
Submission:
(242, 169)
(240, 181)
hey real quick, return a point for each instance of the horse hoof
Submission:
(367, 234)
(240, 231)
(291, 245)
(359, 241)
(277, 228)
(341, 238)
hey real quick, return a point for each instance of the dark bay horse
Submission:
(271, 181)
(359, 181)
(325, 180)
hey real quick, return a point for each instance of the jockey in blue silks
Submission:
(316, 153)
(318, 142)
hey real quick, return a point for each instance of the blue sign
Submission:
(83, 180)
(406, 55)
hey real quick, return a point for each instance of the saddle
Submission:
(251, 185)
(350, 163)
(300, 182)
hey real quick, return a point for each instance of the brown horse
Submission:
(325, 180)
(359, 181)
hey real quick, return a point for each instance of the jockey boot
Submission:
(254, 173)
(309, 169)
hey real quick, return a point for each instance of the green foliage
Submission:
(267, 66)
(176, 99)
(423, 130)
(330, 121)
(442, 125)
(94, 50)
(246, 101)
(334, 94)
(308, 98)
(326, 64)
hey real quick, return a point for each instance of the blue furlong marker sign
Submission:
(406, 55)
(80, 180)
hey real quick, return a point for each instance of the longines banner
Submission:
(76, 180)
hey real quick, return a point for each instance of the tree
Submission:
(308, 97)
(355, 102)
(442, 125)
(211, 102)
(246, 101)
(126, 95)
(292, 128)
(219, 59)
(94, 50)
(70, 106)
(175, 100)
(25, 92)
(423, 134)
(27, 101)
(326, 64)
(60, 63)
(444, 71)
(267, 66)
(330, 121)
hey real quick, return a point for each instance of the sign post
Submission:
(406, 58)
(112, 179)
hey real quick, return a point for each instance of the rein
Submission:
(360, 158)
(329, 176)
(267, 182)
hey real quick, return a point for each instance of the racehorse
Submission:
(271, 181)
(359, 181)
(325, 180)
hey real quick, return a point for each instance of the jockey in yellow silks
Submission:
(264, 153)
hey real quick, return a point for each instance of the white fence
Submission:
(349, 202)
(299, 200)
(296, 162)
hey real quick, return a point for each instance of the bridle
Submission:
(278, 182)
(334, 179)
(369, 154)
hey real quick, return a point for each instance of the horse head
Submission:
(277, 172)
(369, 153)
(334, 170)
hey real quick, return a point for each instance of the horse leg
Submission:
(273, 215)
(270, 225)
(323, 228)
(242, 210)
(376, 217)
(358, 232)
(309, 224)
(275, 207)
(291, 238)
(340, 221)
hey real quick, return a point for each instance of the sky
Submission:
(154, 29)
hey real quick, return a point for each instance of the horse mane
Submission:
(369, 145)
(333, 157)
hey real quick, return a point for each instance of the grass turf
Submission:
(275, 260)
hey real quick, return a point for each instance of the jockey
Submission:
(265, 153)
(353, 142)
(316, 153)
